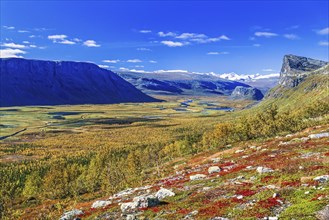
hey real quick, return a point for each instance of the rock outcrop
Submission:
(36, 82)
(247, 93)
(296, 68)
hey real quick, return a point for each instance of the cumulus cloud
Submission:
(324, 43)
(13, 45)
(291, 36)
(172, 43)
(103, 66)
(91, 43)
(217, 53)
(323, 31)
(145, 31)
(9, 52)
(60, 39)
(32, 46)
(8, 27)
(168, 34)
(26, 42)
(57, 37)
(111, 61)
(191, 35)
(265, 34)
(134, 61)
(23, 31)
(153, 61)
(66, 42)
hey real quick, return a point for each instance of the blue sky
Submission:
(245, 37)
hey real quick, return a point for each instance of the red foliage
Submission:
(155, 209)
(316, 167)
(267, 179)
(290, 183)
(214, 209)
(268, 203)
(246, 192)
(183, 211)
(236, 200)
(326, 154)
(318, 196)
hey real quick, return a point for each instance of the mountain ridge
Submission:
(40, 82)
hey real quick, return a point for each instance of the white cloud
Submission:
(265, 34)
(323, 31)
(172, 43)
(9, 52)
(77, 40)
(134, 61)
(32, 36)
(32, 46)
(217, 53)
(143, 49)
(145, 31)
(256, 45)
(168, 34)
(153, 61)
(139, 66)
(13, 45)
(291, 36)
(111, 61)
(57, 37)
(191, 35)
(91, 43)
(23, 31)
(26, 42)
(66, 42)
(268, 70)
(103, 66)
(324, 43)
(8, 27)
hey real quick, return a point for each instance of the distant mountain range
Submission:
(196, 83)
(36, 82)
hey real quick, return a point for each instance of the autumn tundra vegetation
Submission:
(69, 156)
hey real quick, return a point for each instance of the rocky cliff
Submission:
(296, 68)
(249, 93)
(36, 82)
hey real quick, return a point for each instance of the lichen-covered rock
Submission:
(263, 170)
(322, 179)
(128, 207)
(320, 135)
(100, 204)
(71, 214)
(146, 201)
(248, 93)
(197, 177)
(163, 193)
(213, 169)
(323, 214)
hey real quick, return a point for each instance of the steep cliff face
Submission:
(249, 93)
(36, 82)
(296, 68)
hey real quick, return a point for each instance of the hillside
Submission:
(36, 82)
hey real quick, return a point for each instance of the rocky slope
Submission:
(246, 93)
(246, 181)
(37, 82)
(296, 68)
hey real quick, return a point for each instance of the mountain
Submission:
(180, 83)
(262, 82)
(295, 70)
(249, 93)
(37, 82)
